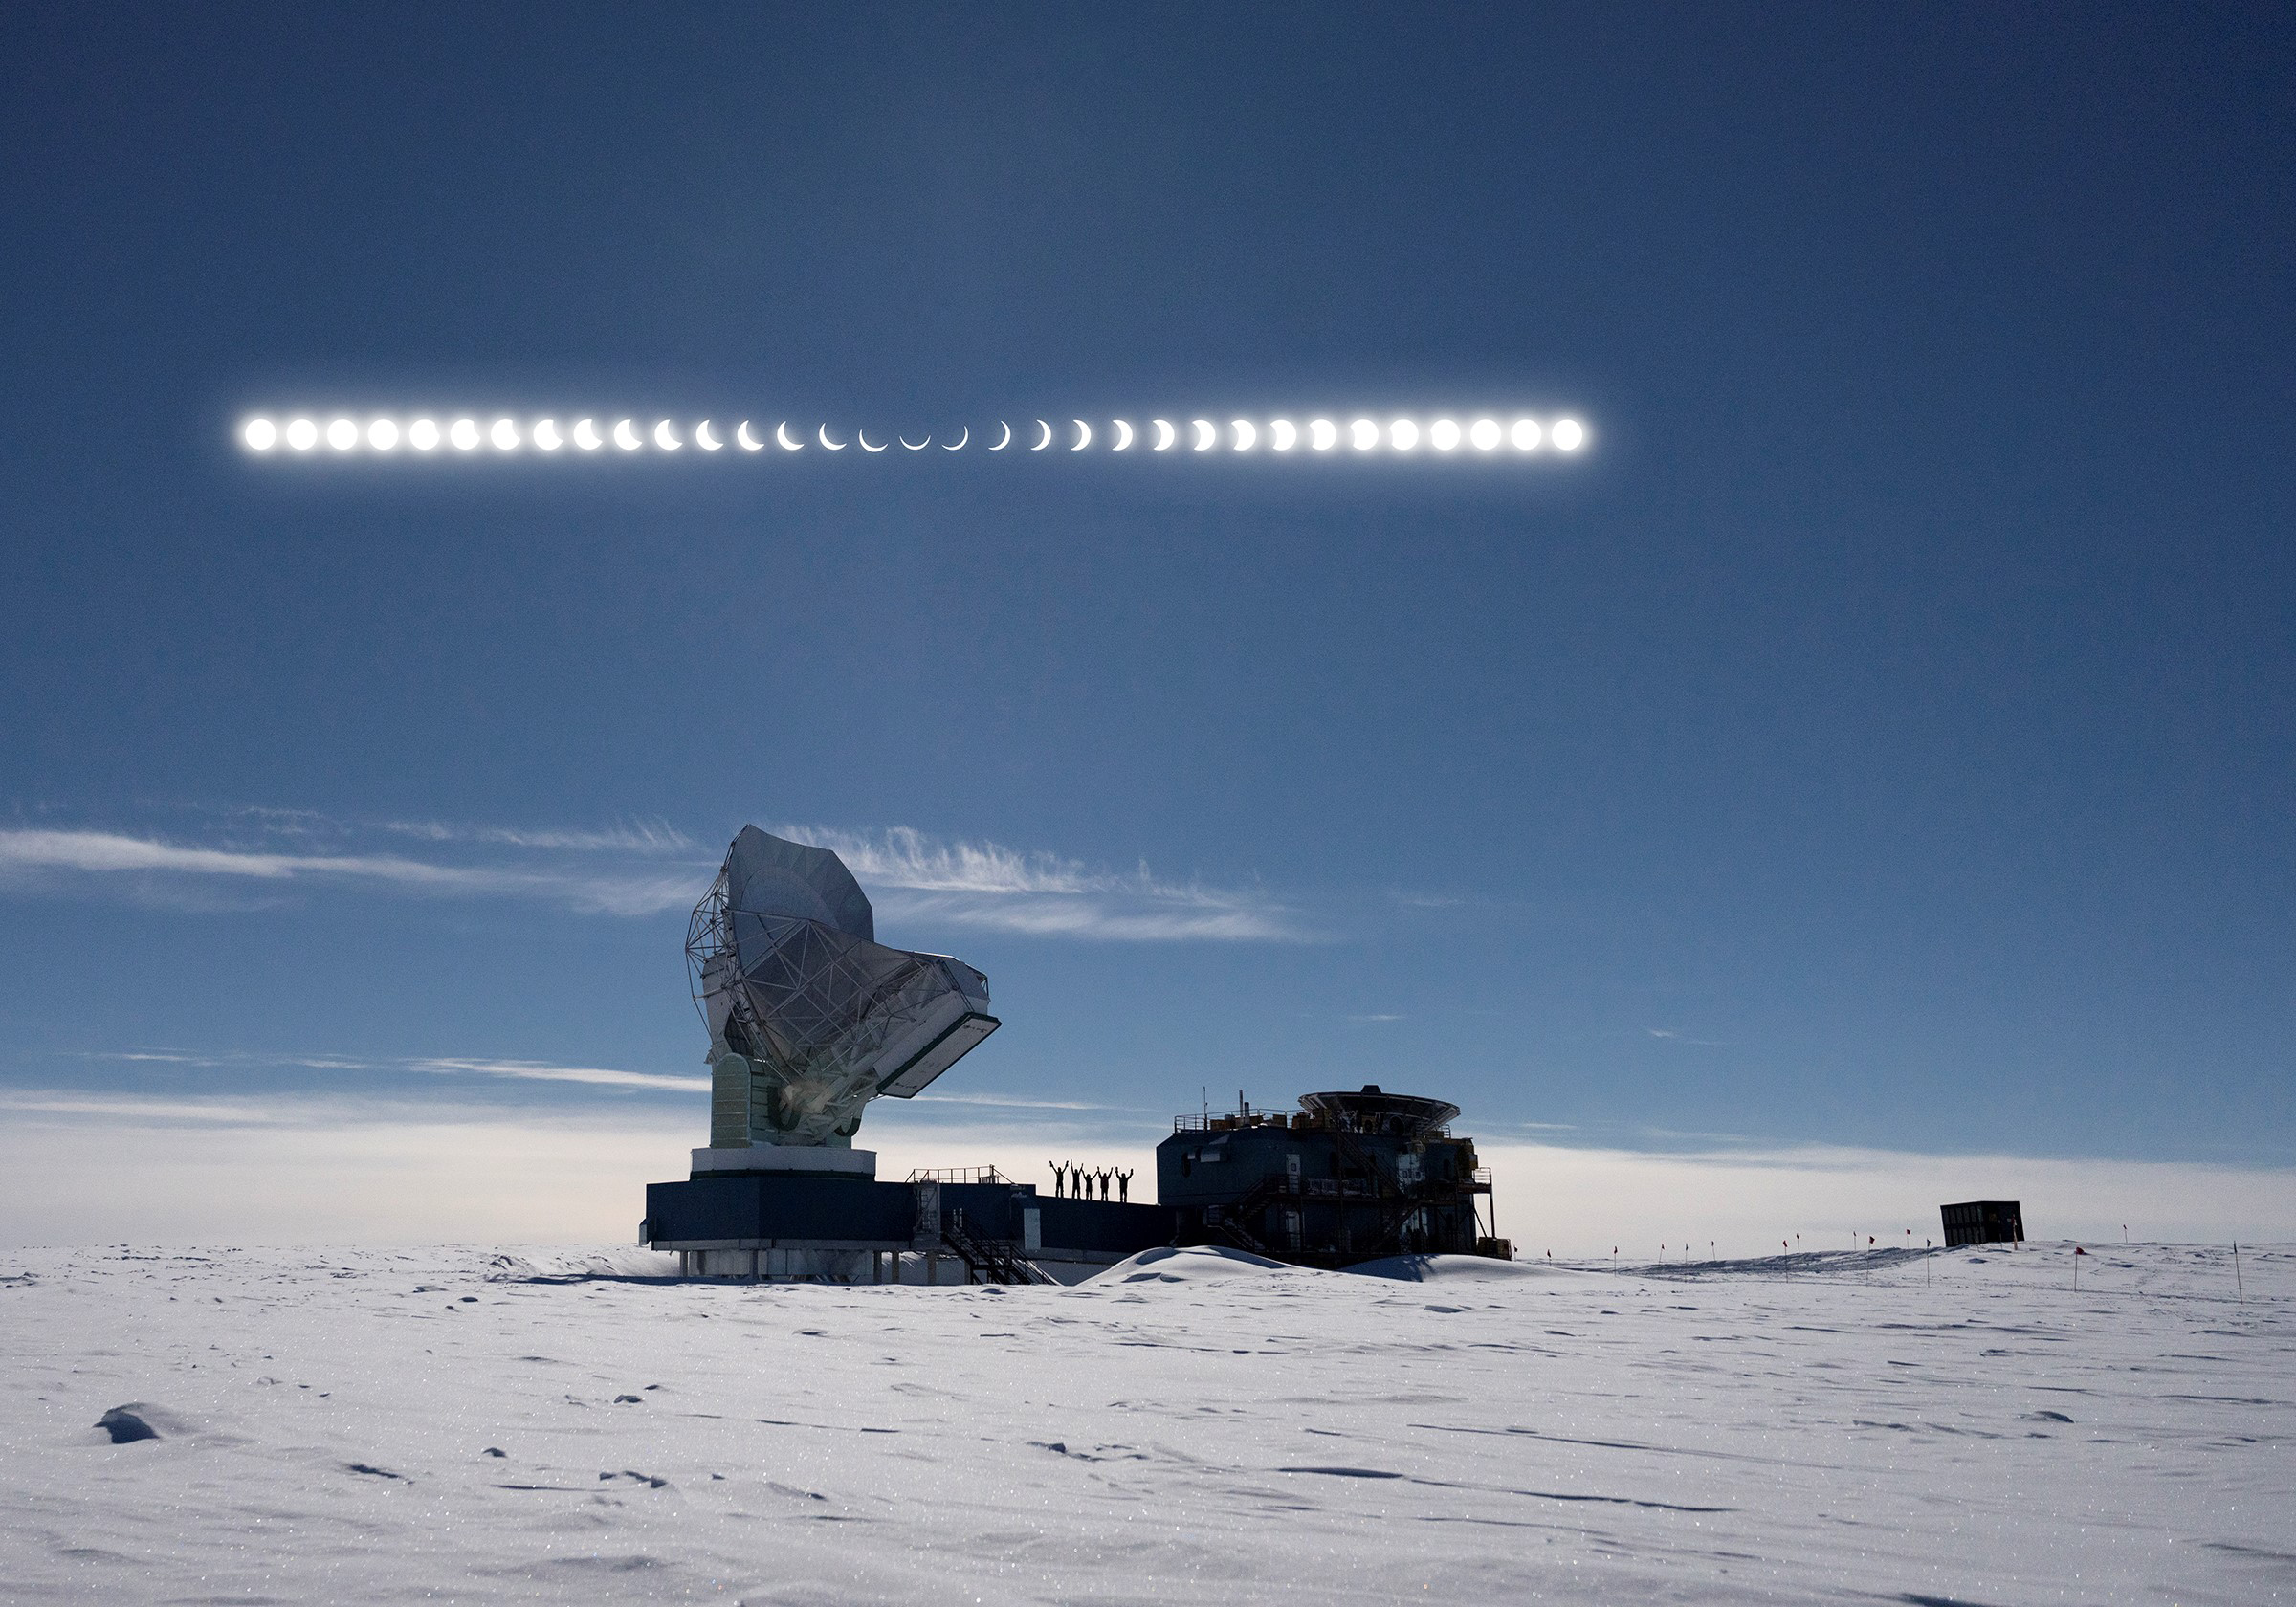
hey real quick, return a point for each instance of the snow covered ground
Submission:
(457, 1425)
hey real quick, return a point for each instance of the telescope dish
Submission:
(809, 1017)
(771, 875)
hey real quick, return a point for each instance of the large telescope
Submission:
(809, 1017)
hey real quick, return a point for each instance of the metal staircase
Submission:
(1360, 1177)
(988, 1260)
(1229, 1219)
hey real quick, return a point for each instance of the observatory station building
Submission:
(1346, 1177)
(811, 1019)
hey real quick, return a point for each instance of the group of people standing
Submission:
(1071, 1181)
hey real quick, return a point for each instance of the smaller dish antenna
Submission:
(1397, 1116)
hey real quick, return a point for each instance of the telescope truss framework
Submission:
(810, 1008)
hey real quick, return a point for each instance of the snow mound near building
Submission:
(1196, 1264)
(1459, 1269)
(563, 1267)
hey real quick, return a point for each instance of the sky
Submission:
(1861, 777)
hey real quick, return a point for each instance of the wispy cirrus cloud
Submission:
(1039, 916)
(203, 1109)
(904, 857)
(1015, 1102)
(605, 890)
(643, 837)
(988, 886)
(643, 870)
(442, 1066)
(548, 1071)
(530, 1070)
(639, 836)
(196, 1104)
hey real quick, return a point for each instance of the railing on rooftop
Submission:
(958, 1175)
(1227, 1121)
(1222, 1121)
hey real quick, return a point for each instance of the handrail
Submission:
(958, 1175)
(1243, 1121)
(997, 1259)
(1229, 1121)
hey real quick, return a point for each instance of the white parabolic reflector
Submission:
(810, 1017)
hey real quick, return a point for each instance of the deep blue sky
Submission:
(1894, 710)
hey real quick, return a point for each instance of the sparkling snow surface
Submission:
(1191, 1427)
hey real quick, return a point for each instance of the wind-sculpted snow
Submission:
(558, 1426)
(1198, 1265)
(1452, 1268)
(574, 1267)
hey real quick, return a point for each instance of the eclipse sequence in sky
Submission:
(303, 435)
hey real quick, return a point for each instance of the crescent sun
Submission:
(1008, 441)
(1206, 432)
(663, 439)
(1045, 439)
(833, 445)
(749, 443)
(919, 447)
(704, 439)
(862, 436)
(587, 437)
(959, 445)
(1084, 436)
(781, 434)
(1164, 435)
(626, 437)
(1123, 436)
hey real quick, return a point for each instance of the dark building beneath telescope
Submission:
(1347, 1177)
